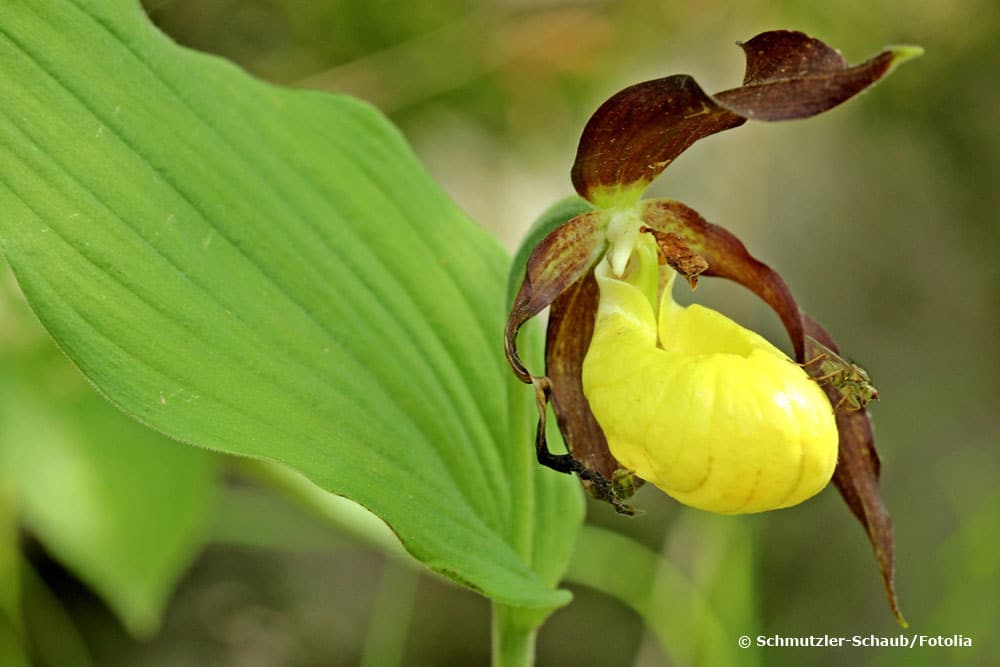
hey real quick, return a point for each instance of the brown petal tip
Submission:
(790, 75)
(640, 130)
(858, 467)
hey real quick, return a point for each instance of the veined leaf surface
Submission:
(271, 273)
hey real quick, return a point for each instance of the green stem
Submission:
(389, 626)
(513, 634)
(522, 468)
(514, 628)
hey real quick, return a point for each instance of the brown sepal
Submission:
(571, 327)
(640, 130)
(858, 467)
(857, 473)
(562, 258)
(559, 273)
(633, 136)
(791, 75)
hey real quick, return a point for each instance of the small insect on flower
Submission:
(851, 380)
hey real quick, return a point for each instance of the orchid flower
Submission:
(645, 390)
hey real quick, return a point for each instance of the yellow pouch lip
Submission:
(703, 408)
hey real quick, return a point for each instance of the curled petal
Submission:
(787, 55)
(557, 273)
(727, 257)
(561, 259)
(571, 326)
(639, 131)
(791, 75)
(857, 472)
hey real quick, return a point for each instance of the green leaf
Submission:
(12, 652)
(272, 273)
(10, 559)
(272, 517)
(116, 503)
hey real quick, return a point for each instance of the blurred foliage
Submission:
(118, 505)
(879, 215)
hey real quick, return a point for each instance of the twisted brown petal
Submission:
(786, 54)
(571, 326)
(639, 131)
(633, 136)
(791, 75)
(857, 472)
(727, 257)
(562, 258)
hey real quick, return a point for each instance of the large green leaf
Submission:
(272, 273)
(116, 503)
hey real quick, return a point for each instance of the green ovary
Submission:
(706, 410)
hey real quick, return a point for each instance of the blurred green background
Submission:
(880, 215)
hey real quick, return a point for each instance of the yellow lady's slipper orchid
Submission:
(647, 391)
(706, 410)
